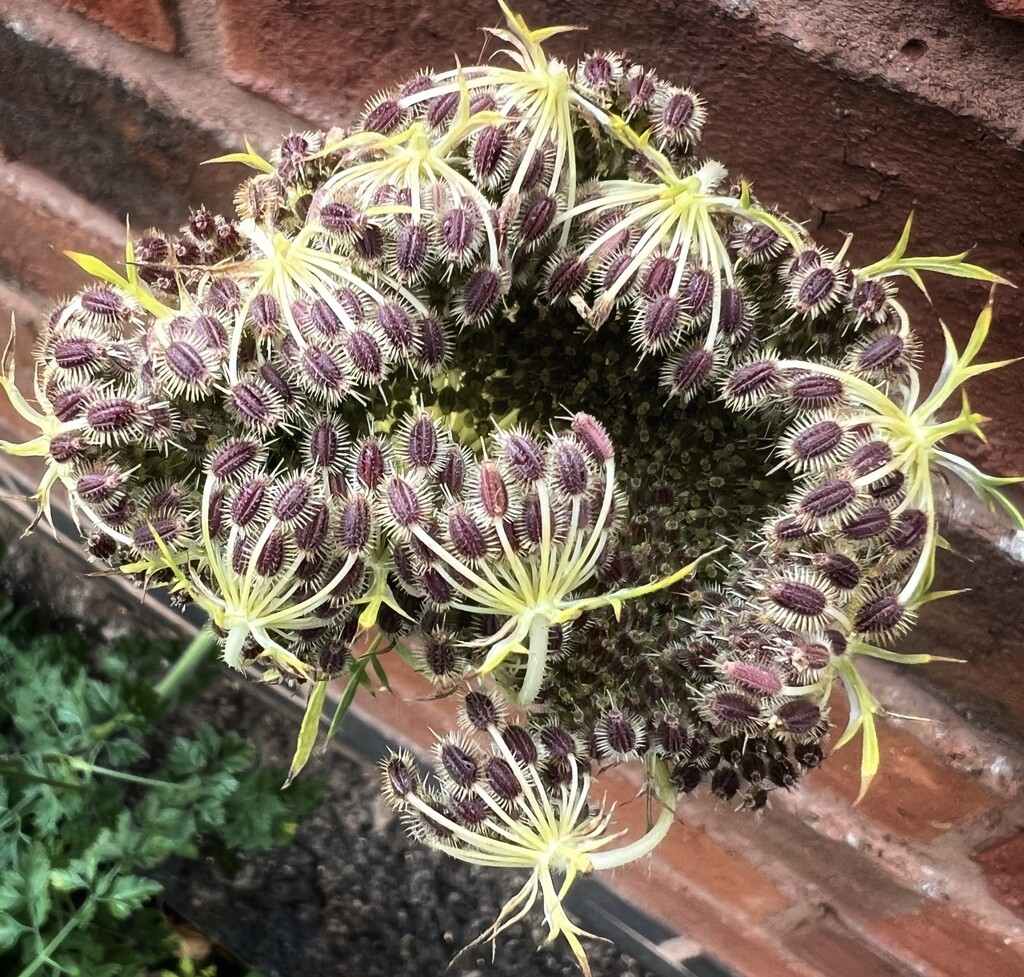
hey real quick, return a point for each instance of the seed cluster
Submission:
(492, 372)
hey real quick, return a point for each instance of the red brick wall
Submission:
(110, 105)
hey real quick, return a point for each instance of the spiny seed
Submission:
(113, 415)
(617, 734)
(480, 710)
(799, 716)
(400, 776)
(186, 363)
(266, 314)
(326, 442)
(397, 326)
(660, 319)
(370, 463)
(817, 440)
(520, 744)
(558, 742)
(732, 709)
(537, 219)
(888, 486)
(490, 152)
(324, 319)
(459, 764)
(459, 231)
(481, 295)
(411, 250)
(466, 534)
(323, 369)
(436, 588)
(441, 658)
(66, 447)
(640, 88)
(594, 437)
(869, 457)
(802, 599)
(755, 379)
(270, 558)
(817, 289)
(754, 678)
(365, 353)
(76, 351)
(880, 614)
(532, 518)
(734, 318)
(67, 404)
(471, 811)
(671, 735)
(869, 298)
(657, 280)
(677, 111)
(369, 245)
(838, 569)
(453, 471)
(566, 278)
(248, 501)
(524, 457)
(165, 529)
(403, 502)
(211, 331)
(253, 403)
(291, 501)
(691, 369)
(356, 523)
(698, 291)
(816, 391)
(502, 780)
(827, 499)
(882, 353)
(725, 783)
(492, 491)
(870, 523)
(440, 109)
(98, 486)
(908, 533)
(233, 458)
(569, 468)
(340, 217)
(384, 117)
(311, 534)
(597, 73)
(433, 343)
(422, 444)
(103, 303)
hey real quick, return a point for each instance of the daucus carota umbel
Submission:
(343, 410)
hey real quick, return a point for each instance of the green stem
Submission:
(186, 664)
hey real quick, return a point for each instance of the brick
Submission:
(1003, 865)
(915, 794)
(1014, 9)
(42, 219)
(105, 140)
(148, 22)
(833, 949)
(291, 52)
(947, 942)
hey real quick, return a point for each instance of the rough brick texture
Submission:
(148, 22)
(848, 113)
(1007, 8)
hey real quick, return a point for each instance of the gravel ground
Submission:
(353, 896)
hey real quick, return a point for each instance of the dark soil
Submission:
(353, 896)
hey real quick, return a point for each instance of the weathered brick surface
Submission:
(149, 22)
(1013, 9)
(916, 794)
(1003, 865)
(945, 941)
(833, 949)
(101, 139)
